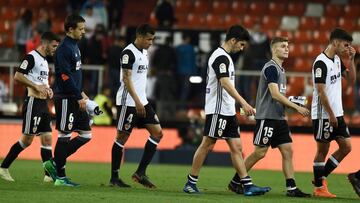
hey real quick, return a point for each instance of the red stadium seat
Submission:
(327, 24)
(347, 24)
(302, 36)
(201, 7)
(181, 20)
(270, 22)
(296, 86)
(285, 33)
(9, 13)
(58, 26)
(231, 19)
(334, 11)
(296, 9)
(220, 7)
(308, 23)
(34, 4)
(277, 9)
(249, 21)
(183, 6)
(17, 3)
(313, 50)
(195, 20)
(352, 11)
(321, 37)
(215, 21)
(153, 20)
(303, 65)
(256, 8)
(7, 26)
(238, 8)
(297, 50)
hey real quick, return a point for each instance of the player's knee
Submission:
(46, 139)
(122, 137)
(26, 141)
(346, 149)
(158, 135)
(260, 154)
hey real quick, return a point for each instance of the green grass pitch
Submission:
(94, 177)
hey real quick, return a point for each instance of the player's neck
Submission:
(278, 60)
(41, 50)
(226, 47)
(330, 51)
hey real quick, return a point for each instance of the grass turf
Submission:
(170, 179)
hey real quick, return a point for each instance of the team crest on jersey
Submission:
(34, 129)
(222, 68)
(265, 140)
(318, 73)
(24, 64)
(125, 59)
(70, 126)
(127, 126)
(326, 135)
(220, 132)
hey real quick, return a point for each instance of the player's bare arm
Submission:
(38, 91)
(226, 84)
(275, 94)
(140, 109)
(325, 102)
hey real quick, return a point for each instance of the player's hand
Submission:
(140, 110)
(50, 93)
(333, 120)
(42, 89)
(352, 52)
(248, 110)
(82, 104)
(303, 111)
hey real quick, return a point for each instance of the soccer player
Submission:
(70, 100)
(221, 122)
(271, 127)
(33, 73)
(327, 111)
(133, 107)
(354, 179)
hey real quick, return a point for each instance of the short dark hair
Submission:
(238, 32)
(341, 34)
(144, 29)
(72, 20)
(278, 39)
(49, 36)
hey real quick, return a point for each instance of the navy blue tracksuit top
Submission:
(68, 75)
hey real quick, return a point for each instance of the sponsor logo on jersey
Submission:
(125, 59)
(222, 68)
(142, 68)
(318, 73)
(24, 64)
(334, 78)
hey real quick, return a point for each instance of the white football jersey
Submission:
(136, 60)
(331, 76)
(217, 99)
(35, 68)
